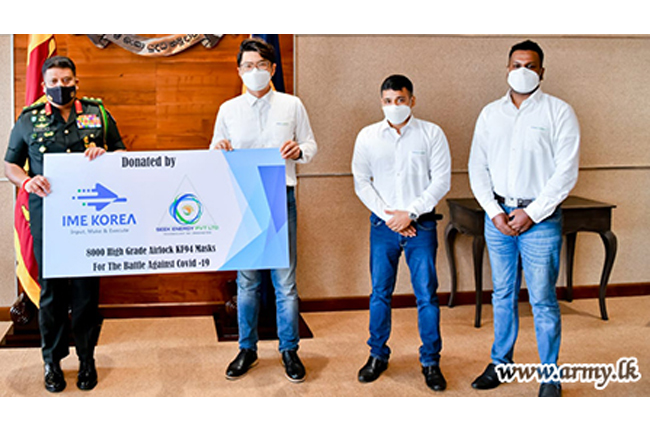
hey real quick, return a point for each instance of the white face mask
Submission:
(256, 79)
(523, 80)
(396, 114)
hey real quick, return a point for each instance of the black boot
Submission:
(245, 360)
(372, 370)
(488, 379)
(87, 377)
(54, 380)
(293, 367)
(434, 378)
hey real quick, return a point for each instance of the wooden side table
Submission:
(579, 214)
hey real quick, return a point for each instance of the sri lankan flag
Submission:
(40, 48)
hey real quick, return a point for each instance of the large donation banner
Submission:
(161, 212)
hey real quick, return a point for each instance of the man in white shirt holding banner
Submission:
(264, 118)
(402, 169)
(523, 164)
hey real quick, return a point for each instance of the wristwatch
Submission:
(413, 216)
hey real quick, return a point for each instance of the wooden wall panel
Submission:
(165, 103)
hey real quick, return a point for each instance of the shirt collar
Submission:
(264, 99)
(532, 99)
(385, 126)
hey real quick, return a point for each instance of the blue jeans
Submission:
(386, 246)
(286, 295)
(537, 252)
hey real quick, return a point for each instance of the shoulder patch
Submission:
(95, 101)
(38, 105)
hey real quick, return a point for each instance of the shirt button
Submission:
(68, 150)
(65, 132)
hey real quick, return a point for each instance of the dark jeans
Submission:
(386, 246)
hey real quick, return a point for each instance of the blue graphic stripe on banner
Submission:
(274, 180)
(262, 182)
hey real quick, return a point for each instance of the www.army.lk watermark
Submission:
(626, 370)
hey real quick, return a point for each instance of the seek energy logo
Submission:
(186, 212)
(186, 209)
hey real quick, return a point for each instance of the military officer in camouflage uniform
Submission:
(62, 124)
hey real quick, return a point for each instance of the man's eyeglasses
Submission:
(263, 65)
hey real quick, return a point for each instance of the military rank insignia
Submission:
(86, 121)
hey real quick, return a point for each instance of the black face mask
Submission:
(61, 95)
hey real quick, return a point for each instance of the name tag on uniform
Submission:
(86, 121)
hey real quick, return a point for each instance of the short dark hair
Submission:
(259, 46)
(397, 82)
(59, 62)
(528, 45)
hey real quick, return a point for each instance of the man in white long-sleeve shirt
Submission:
(264, 118)
(402, 169)
(523, 164)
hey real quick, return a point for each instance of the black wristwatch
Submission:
(413, 216)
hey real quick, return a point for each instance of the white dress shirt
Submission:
(530, 153)
(410, 171)
(252, 123)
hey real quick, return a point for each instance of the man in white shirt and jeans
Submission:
(402, 169)
(264, 118)
(523, 164)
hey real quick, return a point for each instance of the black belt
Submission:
(515, 202)
(431, 216)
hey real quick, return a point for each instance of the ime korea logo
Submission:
(98, 197)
